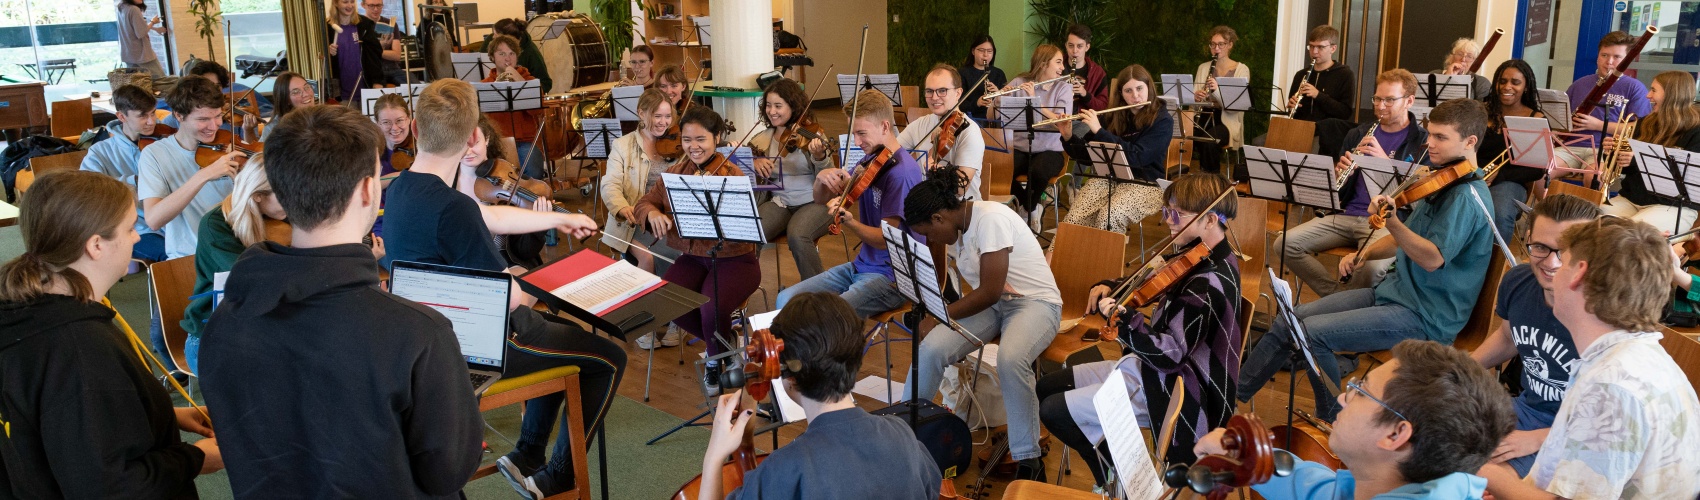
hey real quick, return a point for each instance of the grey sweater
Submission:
(134, 46)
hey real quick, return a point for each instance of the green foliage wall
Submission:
(930, 32)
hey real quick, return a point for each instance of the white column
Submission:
(742, 47)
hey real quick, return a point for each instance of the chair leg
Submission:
(648, 372)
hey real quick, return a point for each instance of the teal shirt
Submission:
(1312, 481)
(1460, 229)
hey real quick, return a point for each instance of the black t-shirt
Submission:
(847, 454)
(426, 221)
(1545, 346)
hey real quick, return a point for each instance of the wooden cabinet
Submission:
(670, 31)
(23, 104)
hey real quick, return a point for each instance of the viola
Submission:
(866, 172)
(160, 132)
(1308, 439)
(1158, 278)
(1436, 181)
(761, 366)
(500, 183)
(223, 143)
(401, 157)
(952, 125)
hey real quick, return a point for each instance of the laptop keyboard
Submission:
(478, 380)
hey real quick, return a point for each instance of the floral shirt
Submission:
(1629, 426)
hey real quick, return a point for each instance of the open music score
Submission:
(744, 158)
(1382, 173)
(496, 97)
(1556, 106)
(369, 97)
(910, 258)
(1121, 424)
(850, 151)
(1179, 86)
(471, 67)
(626, 102)
(599, 135)
(1670, 173)
(714, 207)
(593, 282)
(888, 84)
(1305, 179)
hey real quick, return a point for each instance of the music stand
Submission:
(1433, 89)
(1670, 174)
(1109, 162)
(917, 278)
(886, 84)
(369, 97)
(1180, 87)
(1556, 106)
(599, 136)
(1284, 298)
(848, 150)
(1532, 143)
(1018, 114)
(1292, 178)
(744, 158)
(625, 102)
(471, 67)
(1236, 93)
(507, 97)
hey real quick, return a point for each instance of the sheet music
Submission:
(1236, 92)
(744, 158)
(734, 202)
(1421, 112)
(599, 135)
(1312, 177)
(1172, 106)
(878, 388)
(496, 97)
(1011, 111)
(1138, 473)
(369, 97)
(886, 84)
(1180, 87)
(1106, 155)
(1433, 89)
(626, 102)
(855, 153)
(1284, 306)
(1383, 173)
(1556, 106)
(903, 250)
(600, 291)
(1656, 169)
(1530, 141)
(704, 31)
(471, 66)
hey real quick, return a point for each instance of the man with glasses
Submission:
(1327, 91)
(1440, 246)
(1629, 426)
(1413, 428)
(943, 88)
(1531, 334)
(1397, 135)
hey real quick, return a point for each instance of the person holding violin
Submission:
(1039, 156)
(792, 211)
(1531, 334)
(485, 159)
(1143, 135)
(966, 148)
(1515, 93)
(1674, 123)
(1629, 427)
(672, 82)
(1394, 134)
(979, 63)
(1194, 333)
(520, 125)
(1440, 247)
(1014, 300)
(845, 452)
(178, 179)
(290, 91)
(395, 120)
(116, 157)
(634, 166)
(1416, 427)
(866, 282)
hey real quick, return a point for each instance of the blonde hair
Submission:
(445, 114)
(870, 104)
(246, 219)
(1628, 277)
(63, 210)
(1041, 56)
(1465, 44)
(1676, 113)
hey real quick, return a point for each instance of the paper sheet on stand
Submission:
(1120, 422)
(877, 387)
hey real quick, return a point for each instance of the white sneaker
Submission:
(669, 339)
(1036, 220)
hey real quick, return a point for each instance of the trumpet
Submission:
(1077, 116)
(1072, 80)
(1353, 166)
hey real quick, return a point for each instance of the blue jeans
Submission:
(869, 293)
(1348, 321)
(1023, 328)
(1506, 195)
(150, 248)
(1528, 419)
(532, 165)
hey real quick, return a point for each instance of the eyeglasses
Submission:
(1538, 251)
(1220, 44)
(1173, 216)
(937, 92)
(1356, 384)
(389, 124)
(1386, 100)
(987, 50)
(1318, 46)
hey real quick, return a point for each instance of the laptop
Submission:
(474, 300)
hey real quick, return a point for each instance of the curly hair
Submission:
(1530, 98)
(789, 91)
(936, 193)
(1457, 409)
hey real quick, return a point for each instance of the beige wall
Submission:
(1500, 14)
(187, 41)
(833, 31)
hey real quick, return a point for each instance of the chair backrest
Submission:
(173, 282)
(1482, 318)
(42, 165)
(1171, 416)
(1081, 257)
(998, 176)
(1180, 153)
(911, 95)
(1685, 350)
(1287, 134)
(1248, 310)
(1589, 194)
(1251, 236)
(72, 117)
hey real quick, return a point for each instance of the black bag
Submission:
(17, 157)
(944, 434)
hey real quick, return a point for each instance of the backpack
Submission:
(17, 157)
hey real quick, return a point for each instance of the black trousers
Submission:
(542, 342)
(1053, 413)
(1039, 168)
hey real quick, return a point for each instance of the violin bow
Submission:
(1124, 293)
(855, 100)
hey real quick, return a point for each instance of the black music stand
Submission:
(505, 97)
(1284, 297)
(1673, 175)
(470, 67)
(1291, 178)
(626, 102)
(1109, 162)
(1433, 89)
(887, 84)
(917, 278)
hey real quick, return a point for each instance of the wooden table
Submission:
(8, 215)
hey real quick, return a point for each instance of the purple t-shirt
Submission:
(348, 61)
(884, 199)
(1358, 203)
(1624, 88)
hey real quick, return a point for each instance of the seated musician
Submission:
(428, 221)
(672, 82)
(530, 56)
(520, 125)
(634, 166)
(1629, 426)
(83, 416)
(214, 72)
(1095, 93)
(361, 65)
(1440, 245)
(395, 120)
(176, 190)
(300, 323)
(1014, 300)
(1413, 428)
(1674, 123)
(518, 249)
(943, 88)
(1143, 135)
(736, 266)
(117, 157)
(981, 63)
(1515, 93)
(792, 211)
(866, 281)
(1530, 335)
(845, 452)
(290, 91)
(1603, 120)
(1397, 135)
(638, 67)
(1038, 154)
(1194, 333)
(1458, 61)
(1229, 126)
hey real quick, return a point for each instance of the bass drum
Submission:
(439, 44)
(573, 48)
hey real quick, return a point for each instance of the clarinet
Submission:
(1353, 166)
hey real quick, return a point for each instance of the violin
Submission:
(1251, 459)
(866, 173)
(401, 157)
(223, 143)
(1308, 439)
(500, 183)
(761, 366)
(160, 132)
(801, 131)
(1159, 276)
(1436, 181)
(667, 144)
(952, 125)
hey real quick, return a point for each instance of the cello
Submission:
(1251, 459)
(761, 365)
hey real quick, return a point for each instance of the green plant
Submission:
(1052, 18)
(206, 15)
(929, 32)
(618, 24)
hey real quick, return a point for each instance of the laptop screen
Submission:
(475, 301)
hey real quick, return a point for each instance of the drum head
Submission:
(573, 48)
(438, 46)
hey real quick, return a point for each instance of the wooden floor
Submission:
(673, 387)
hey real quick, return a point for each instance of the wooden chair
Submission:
(1685, 350)
(1590, 194)
(173, 281)
(911, 95)
(1482, 319)
(880, 333)
(998, 177)
(517, 390)
(1287, 134)
(72, 117)
(1080, 258)
(1251, 239)
(42, 165)
(1180, 153)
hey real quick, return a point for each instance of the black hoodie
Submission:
(81, 417)
(322, 385)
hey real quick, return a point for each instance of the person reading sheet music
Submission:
(1143, 135)
(1440, 246)
(792, 211)
(1014, 300)
(530, 56)
(520, 125)
(981, 55)
(1626, 95)
(1227, 126)
(428, 221)
(634, 167)
(866, 281)
(390, 57)
(1094, 93)
(1458, 61)
(1515, 93)
(1194, 333)
(1674, 123)
(1038, 154)
(1530, 335)
(736, 266)
(1397, 136)
(1629, 426)
(845, 452)
(83, 416)
(1416, 428)
(943, 88)
(299, 322)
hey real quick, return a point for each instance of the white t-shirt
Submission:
(165, 166)
(969, 151)
(992, 227)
